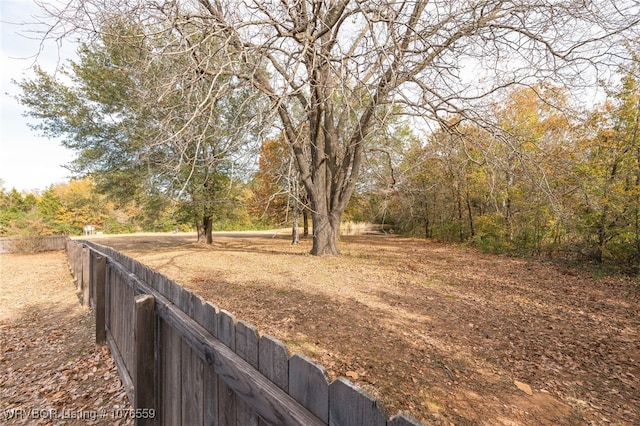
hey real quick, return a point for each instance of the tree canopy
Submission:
(334, 72)
(133, 125)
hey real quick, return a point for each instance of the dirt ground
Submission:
(51, 372)
(448, 334)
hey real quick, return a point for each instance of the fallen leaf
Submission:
(352, 374)
(523, 387)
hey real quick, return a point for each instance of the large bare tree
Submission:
(342, 67)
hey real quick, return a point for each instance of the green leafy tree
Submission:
(500, 189)
(532, 154)
(15, 212)
(78, 204)
(52, 210)
(442, 185)
(609, 176)
(132, 126)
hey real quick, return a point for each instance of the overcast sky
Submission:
(27, 161)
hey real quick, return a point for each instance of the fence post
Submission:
(77, 265)
(85, 279)
(99, 275)
(145, 371)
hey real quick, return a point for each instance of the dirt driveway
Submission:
(451, 335)
(51, 372)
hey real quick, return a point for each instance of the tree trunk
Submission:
(326, 230)
(470, 214)
(200, 229)
(427, 223)
(508, 214)
(602, 230)
(205, 229)
(460, 220)
(602, 234)
(295, 233)
(305, 222)
(637, 212)
(208, 229)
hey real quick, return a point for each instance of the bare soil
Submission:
(445, 333)
(51, 372)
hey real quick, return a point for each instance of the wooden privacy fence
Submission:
(184, 361)
(32, 244)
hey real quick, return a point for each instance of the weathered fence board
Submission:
(195, 364)
(32, 244)
(227, 400)
(127, 382)
(205, 315)
(247, 339)
(86, 271)
(274, 361)
(145, 351)
(309, 385)
(99, 269)
(192, 367)
(171, 375)
(269, 401)
(355, 407)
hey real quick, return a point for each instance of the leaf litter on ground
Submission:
(51, 371)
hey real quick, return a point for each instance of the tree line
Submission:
(61, 209)
(170, 94)
(175, 100)
(550, 184)
(66, 208)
